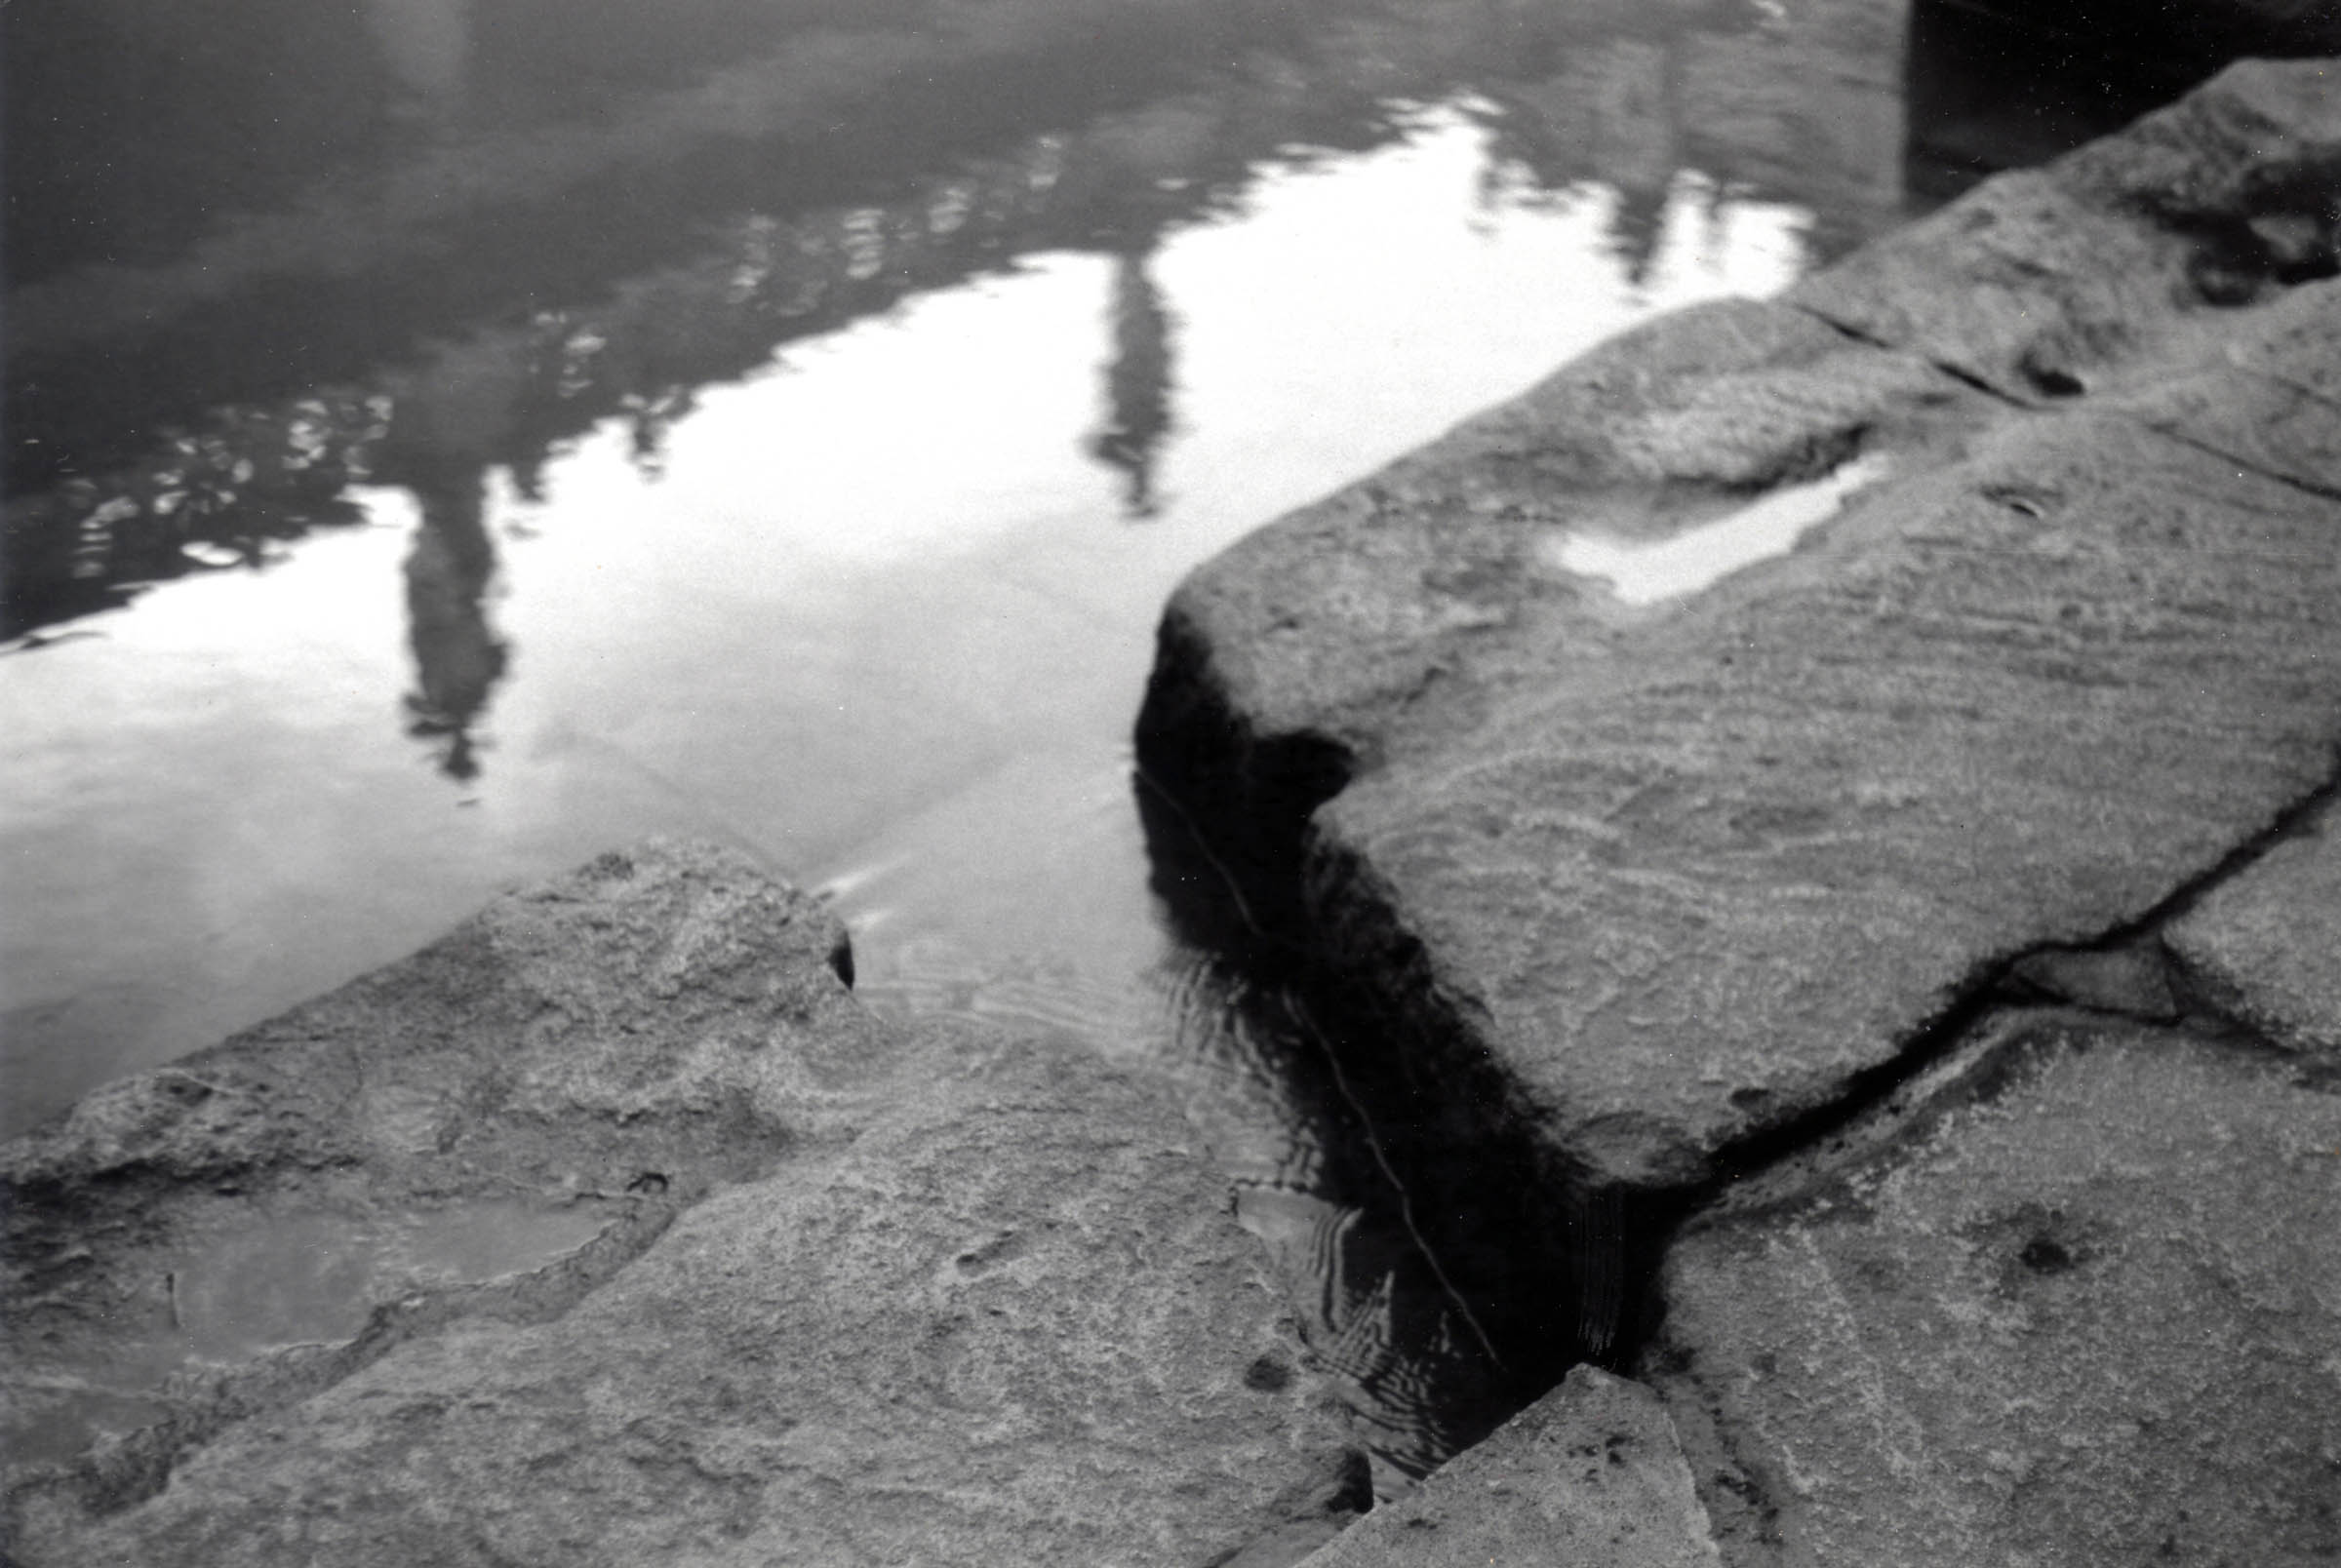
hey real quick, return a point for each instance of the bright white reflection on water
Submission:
(1644, 571)
(878, 616)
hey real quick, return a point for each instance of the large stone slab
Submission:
(943, 1297)
(1592, 1474)
(2080, 1305)
(1657, 879)
(2266, 945)
(1705, 876)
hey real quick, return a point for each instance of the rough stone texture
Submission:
(605, 1046)
(1687, 872)
(2043, 278)
(955, 1298)
(1590, 1473)
(2266, 946)
(2082, 1306)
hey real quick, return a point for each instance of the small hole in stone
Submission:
(2049, 382)
(2043, 1256)
(1267, 1375)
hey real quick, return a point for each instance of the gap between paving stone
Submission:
(2068, 1299)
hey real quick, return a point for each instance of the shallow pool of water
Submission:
(275, 1281)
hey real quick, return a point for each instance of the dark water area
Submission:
(448, 438)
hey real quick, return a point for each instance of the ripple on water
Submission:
(1380, 1310)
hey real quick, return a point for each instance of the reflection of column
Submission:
(1137, 383)
(450, 425)
(457, 656)
(427, 46)
(1634, 146)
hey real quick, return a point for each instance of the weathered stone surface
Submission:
(1685, 872)
(944, 1297)
(2266, 946)
(1332, 619)
(2041, 279)
(1590, 1473)
(2265, 398)
(2082, 1307)
(552, 1080)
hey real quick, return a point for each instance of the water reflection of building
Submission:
(457, 656)
(1804, 105)
(1137, 383)
(447, 429)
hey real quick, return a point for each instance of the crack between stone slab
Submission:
(1989, 990)
(1626, 1253)
(2329, 492)
(1957, 373)
(2170, 432)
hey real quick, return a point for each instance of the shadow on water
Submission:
(1440, 1281)
(1994, 84)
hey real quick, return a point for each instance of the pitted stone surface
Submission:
(1684, 873)
(955, 1298)
(1590, 1473)
(2266, 946)
(2081, 1307)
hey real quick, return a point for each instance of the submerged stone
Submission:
(1655, 882)
(1592, 1474)
(2080, 1306)
(919, 1295)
